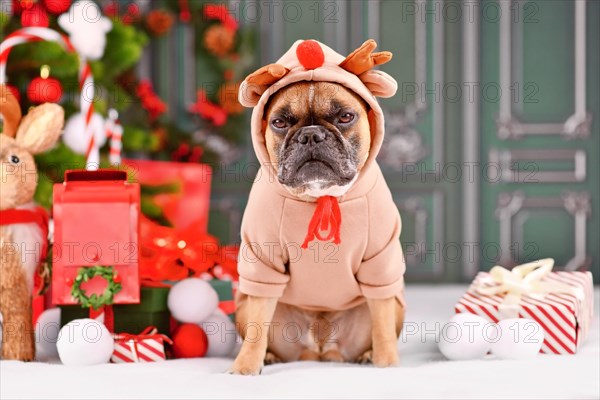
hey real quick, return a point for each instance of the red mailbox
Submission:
(96, 223)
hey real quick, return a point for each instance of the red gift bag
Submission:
(188, 208)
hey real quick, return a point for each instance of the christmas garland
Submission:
(96, 301)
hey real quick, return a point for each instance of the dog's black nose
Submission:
(311, 135)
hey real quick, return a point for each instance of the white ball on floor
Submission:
(518, 338)
(46, 334)
(192, 300)
(221, 334)
(84, 342)
(466, 337)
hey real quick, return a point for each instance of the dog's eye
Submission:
(278, 123)
(14, 159)
(346, 118)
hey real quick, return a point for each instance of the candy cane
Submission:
(114, 132)
(86, 81)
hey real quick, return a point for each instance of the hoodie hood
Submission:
(310, 60)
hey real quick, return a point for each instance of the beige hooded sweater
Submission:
(368, 263)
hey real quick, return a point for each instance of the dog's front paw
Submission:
(246, 366)
(385, 357)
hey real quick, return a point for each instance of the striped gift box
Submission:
(565, 318)
(148, 346)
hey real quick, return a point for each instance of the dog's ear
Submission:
(361, 63)
(257, 82)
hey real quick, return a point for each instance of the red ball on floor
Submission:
(189, 341)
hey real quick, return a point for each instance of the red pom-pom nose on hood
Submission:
(310, 54)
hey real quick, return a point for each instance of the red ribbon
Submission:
(328, 218)
(170, 254)
(109, 316)
(148, 333)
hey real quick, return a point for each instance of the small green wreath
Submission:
(96, 301)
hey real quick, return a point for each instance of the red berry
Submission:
(19, 5)
(310, 54)
(132, 14)
(35, 16)
(112, 9)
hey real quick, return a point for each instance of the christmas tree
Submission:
(44, 71)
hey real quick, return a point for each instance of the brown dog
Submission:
(319, 138)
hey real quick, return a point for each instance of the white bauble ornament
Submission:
(221, 334)
(466, 337)
(46, 335)
(518, 338)
(87, 28)
(75, 136)
(192, 300)
(84, 342)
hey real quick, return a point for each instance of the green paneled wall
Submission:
(426, 132)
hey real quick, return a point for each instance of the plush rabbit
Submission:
(22, 234)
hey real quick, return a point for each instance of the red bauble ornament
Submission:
(310, 54)
(57, 7)
(35, 16)
(42, 90)
(189, 341)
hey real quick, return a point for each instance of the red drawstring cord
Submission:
(327, 218)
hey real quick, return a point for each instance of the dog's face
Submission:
(318, 138)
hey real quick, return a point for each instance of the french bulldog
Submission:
(319, 138)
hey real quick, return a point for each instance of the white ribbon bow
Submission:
(525, 279)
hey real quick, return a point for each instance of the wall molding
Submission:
(578, 125)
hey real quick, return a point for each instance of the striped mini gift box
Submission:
(565, 317)
(148, 346)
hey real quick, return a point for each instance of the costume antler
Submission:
(363, 58)
(10, 110)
